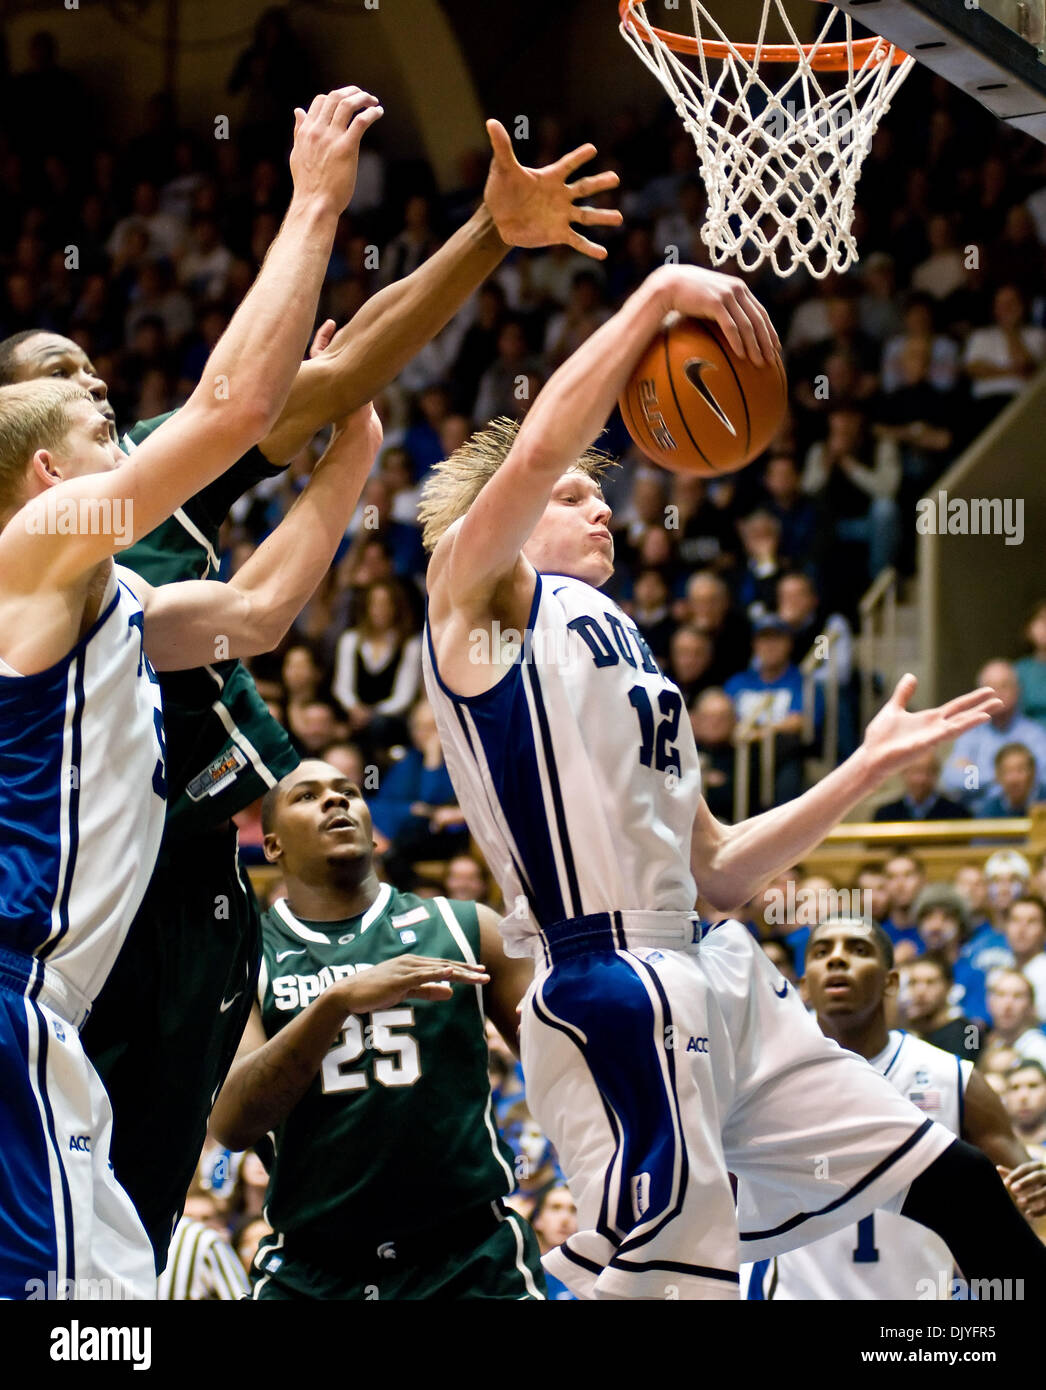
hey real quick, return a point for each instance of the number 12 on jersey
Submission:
(656, 748)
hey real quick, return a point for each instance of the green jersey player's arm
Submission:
(244, 385)
(478, 571)
(986, 1124)
(521, 207)
(195, 622)
(509, 978)
(265, 1085)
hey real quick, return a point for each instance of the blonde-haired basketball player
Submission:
(660, 1052)
(83, 775)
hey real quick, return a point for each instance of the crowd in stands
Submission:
(140, 250)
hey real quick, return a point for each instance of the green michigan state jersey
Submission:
(224, 749)
(396, 1134)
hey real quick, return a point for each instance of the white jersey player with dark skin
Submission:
(849, 977)
(660, 1052)
(82, 757)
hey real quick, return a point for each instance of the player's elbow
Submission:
(244, 412)
(228, 1127)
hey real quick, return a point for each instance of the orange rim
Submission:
(827, 57)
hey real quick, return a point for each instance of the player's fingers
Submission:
(769, 342)
(362, 122)
(596, 183)
(574, 159)
(737, 328)
(299, 116)
(586, 247)
(500, 142)
(904, 690)
(334, 99)
(973, 699)
(350, 106)
(597, 217)
(434, 991)
(321, 341)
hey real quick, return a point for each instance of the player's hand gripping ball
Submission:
(693, 406)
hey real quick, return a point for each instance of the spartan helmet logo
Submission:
(695, 367)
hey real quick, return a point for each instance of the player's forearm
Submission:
(257, 357)
(381, 338)
(733, 863)
(284, 571)
(262, 1089)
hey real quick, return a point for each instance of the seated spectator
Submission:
(554, 1219)
(413, 245)
(855, 479)
(925, 1009)
(466, 879)
(783, 957)
(921, 799)
(246, 1239)
(799, 603)
(300, 676)
(845, 338)
(969, 879)
(689, 661)
(479, 346)
(651, 611)
(795, 513)
(203, 270)
(1026, 938)
(755, 584)
(943, 372)
(943, 924)
(1000, 359)
(1005, 879)
(944, 270)
(878, 310)
(1025, 1101)
(970, 770)
(870, 881)
(415, 807)
(312, 726)
(995, 1067)
(1031, 670)
(1011, 1014)
(377, 671)
(713, 720)
(770, 693)
(707, 607)
(501, 383)
(348, 759)
(535, 1165)
(584, 313)
(1015, 779)
(905, 880)
(707, 536)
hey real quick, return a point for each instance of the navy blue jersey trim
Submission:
(41, 1081)
(893, 1059)
(73, 827)
(580, 1260)
(676, 1267)
(868, 1178)
(512, 670)
(962, 1095)
(557, 795)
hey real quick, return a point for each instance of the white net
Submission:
(780, 162)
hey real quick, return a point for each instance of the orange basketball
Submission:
(694, 406)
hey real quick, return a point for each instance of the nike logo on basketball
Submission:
(783, 990)
(694, 369)
(227, 1004)
(282, 955)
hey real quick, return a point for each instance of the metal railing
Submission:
(808, 668)
(746, 733)
(879, 603)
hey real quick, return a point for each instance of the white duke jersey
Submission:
(885, 1256)
(82, 796)
(577, 772)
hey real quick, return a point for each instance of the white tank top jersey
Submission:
(82, 796)
(578, 772)
(884, 1256)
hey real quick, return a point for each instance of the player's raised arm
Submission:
(472, 561)
(265, 1085)
(198, 621)
(521, 207)
(243, 387)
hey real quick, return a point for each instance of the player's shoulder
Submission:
(403, 909)
(918, 1053)
(141, 430)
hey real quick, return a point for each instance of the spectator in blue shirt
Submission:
(943, 923)
(970, 771)
(1015, 779)
(1006, 876)
(770, 693)
(905, 879)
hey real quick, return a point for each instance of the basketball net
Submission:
(780, 163)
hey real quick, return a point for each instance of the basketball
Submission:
(693, 406)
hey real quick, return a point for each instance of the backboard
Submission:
(992, 49)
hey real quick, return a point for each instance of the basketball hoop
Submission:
(780, 166)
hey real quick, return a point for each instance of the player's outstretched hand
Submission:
(707, 294)
(1027, 1186)
(535, 207)
(897, 736)
(327, 144)
(407, 977)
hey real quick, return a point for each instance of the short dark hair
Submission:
(9, 353)
(1032, 898)
(883, 944)
(1008, 748)
(1024, 1064)
(940, 963)
(268, 809)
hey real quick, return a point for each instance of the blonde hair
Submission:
(33, 415)
(454, 484)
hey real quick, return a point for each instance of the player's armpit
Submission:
(197, 621)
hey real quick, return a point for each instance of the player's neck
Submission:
(341, 896)
(866, 1036)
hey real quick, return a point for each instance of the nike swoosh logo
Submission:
(227, 1004)
(694, 368)
(282, 955)
(783, 990)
